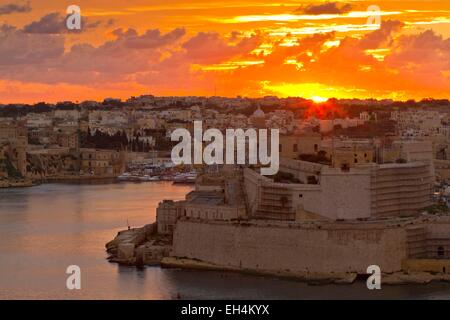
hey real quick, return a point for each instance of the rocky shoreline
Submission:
(139, 246)
(56, 179)
(16, 183)
(69, 178)
(144, 246)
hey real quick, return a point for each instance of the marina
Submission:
(145, 172)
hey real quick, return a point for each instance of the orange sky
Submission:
(314, 49)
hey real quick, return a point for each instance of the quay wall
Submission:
(271, 247)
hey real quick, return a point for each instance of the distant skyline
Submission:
(316, 101)
(311, 49)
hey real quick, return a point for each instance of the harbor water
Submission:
(44, 229)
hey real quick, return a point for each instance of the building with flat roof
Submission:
(108, 163)
(360, 192)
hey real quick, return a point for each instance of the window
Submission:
(281, 147)
(284, 200)
(312, 180)
(295, 148)
(440, 252)
(316, 147)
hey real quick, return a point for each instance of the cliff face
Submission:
(10, 176)
(45, 166)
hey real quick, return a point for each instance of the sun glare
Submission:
(318, 99)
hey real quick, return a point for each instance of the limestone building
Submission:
(14, 143)
(107, 163)
(366, 191)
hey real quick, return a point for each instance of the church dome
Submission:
(258, 113)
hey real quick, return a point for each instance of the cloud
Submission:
(424, 59)
(52, 23)
(55, 23)
(383, 35)
(14, 8)
(150, 39)
(416, 65)
(210, 47)
(325, 8)
(167, 62)
(42, 57)
(175, 75)
(20, 48)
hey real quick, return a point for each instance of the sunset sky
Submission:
(314, 49)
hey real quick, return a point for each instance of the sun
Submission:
(318, 99)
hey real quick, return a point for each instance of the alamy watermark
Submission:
(73, 282)
(374, 280)
(73, 19)
(235, 143)
(374, 15)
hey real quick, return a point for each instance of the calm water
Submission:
(46, 228)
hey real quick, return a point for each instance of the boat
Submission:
(167, 177)
(191, 178)
(125, 176)
(132, 177)
(146, 178)
(185, 178)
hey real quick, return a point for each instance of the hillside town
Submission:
(363, 176)
(131, 139)
(359, 183)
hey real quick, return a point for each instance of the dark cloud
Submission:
(325, 8)
(52, 23)
(14, 8)
(55, 23)
(383, 35)
(20, 48)
(150, 39)
(40, 57)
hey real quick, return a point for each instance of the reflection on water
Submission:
(46, 228)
